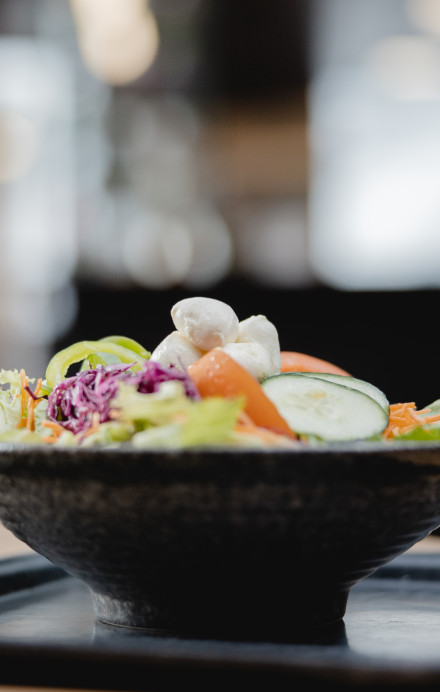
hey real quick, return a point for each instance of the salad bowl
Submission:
(236, 543)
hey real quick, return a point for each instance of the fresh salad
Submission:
(213, 381)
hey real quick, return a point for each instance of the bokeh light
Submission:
(118, 39)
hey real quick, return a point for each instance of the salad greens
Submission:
(115, 402)
(9, 399)
(13, 387)
(121, 394)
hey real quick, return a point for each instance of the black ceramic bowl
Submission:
(221, 543)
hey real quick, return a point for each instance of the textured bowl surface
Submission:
(221, 543)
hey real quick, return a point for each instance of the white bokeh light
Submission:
(374, 206)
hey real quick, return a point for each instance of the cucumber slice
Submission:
(353, 383)
(432, 410)
(320, 407)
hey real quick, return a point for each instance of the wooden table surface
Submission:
(11, 546)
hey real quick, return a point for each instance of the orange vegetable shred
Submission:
(56, 431)
(28, 403)
(405, 417)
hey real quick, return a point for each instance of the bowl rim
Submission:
(14, 457)
(349, 446)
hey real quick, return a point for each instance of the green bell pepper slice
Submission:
(61, 361)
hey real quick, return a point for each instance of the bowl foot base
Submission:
(310, 613)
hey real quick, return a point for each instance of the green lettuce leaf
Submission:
(108, 434)
(21, 436)
(158, 408)
(210, 421)
(169, 418)
(10, 411)
(424, 433)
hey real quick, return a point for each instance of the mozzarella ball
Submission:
(206, 322)
(252, 357)
(259, 330)
(176, 350)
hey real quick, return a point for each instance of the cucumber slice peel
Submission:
(325, 409)
(347, 381)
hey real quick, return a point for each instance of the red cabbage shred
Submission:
(75, 400)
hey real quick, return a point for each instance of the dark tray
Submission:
(390, 637)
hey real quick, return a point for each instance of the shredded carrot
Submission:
(29, 400)
(405, 417)
(95, 424)
(32, 403)
(246, 426)
(56, 428)
(24, 383)
(56, 431)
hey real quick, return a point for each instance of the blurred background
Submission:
(283, 157)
